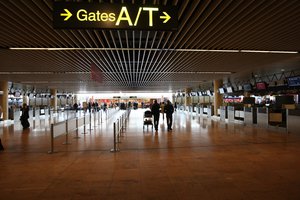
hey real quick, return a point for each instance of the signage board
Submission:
(84, 15)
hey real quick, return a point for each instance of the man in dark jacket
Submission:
(155, 112)
(169, 109)
(25, 116)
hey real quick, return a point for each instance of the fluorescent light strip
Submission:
(149, 49)
(55, 73)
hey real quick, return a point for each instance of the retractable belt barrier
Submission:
(118, 127)
(73, 124)
(66, 126)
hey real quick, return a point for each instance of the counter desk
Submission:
(263, 117)
(293, 121)
(250, 115)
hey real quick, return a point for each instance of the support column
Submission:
(246, 94)
(4, 99)
(26, 99)
(188, 100)
(218, 98)
(53, 101)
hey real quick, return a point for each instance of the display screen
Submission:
(221, 90)
(294, 81)
(229, 90)
(208, 92)
(247, 87)
(261, 86)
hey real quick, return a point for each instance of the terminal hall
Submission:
(150, 99)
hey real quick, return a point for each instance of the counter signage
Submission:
(84, 15)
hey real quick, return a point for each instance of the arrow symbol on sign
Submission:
(68, 14)
(166, 17)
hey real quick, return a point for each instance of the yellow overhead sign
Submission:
(73, 15)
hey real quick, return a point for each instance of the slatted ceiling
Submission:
(222, 24)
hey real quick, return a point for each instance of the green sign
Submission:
(83, 15)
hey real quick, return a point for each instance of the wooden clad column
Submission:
(53, 102)
(218, 98)
(188, 100)
(246, 94)
(4, 99)
(25, 99)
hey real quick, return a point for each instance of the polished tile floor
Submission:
(200, 159)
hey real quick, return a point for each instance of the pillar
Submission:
(246, 94)
(188, 100)
(4, 99)
(25, 99)
(53, 101)
(218, 98)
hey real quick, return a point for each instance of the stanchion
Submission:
(90, 121)
(95, 118)
(119, 131)
(101, 116)
(115, 149)
(84, 125)
(52, 141)
(76, 137)
(67, 138)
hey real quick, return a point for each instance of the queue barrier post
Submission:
(67, 133)
(115, 149)
(52, 141)
(84, 125)
(77, 127)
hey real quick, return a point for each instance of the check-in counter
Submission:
(293, 121)
(30, 113)
(201, 110)
(239, 114)
(230, 112)
(36, 111)
(198, 109)
(210, 111)
(250, 115)
(205, 110)
(262, 117)
(194, 108)
(46, 111)
(223, 113)
(190, 109)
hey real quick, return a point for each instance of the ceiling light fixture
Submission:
(151, 49)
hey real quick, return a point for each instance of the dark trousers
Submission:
(169, 121)
(25, 123)
(156, 120)
(1, 146)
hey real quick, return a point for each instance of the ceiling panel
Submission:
(150, 60)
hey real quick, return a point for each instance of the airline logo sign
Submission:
(83, 15)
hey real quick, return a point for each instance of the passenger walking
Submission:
(169, 109)
(155, 112)
(75, 107)
(25, 116)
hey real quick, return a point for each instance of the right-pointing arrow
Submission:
(166, 17)
(68, 14)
